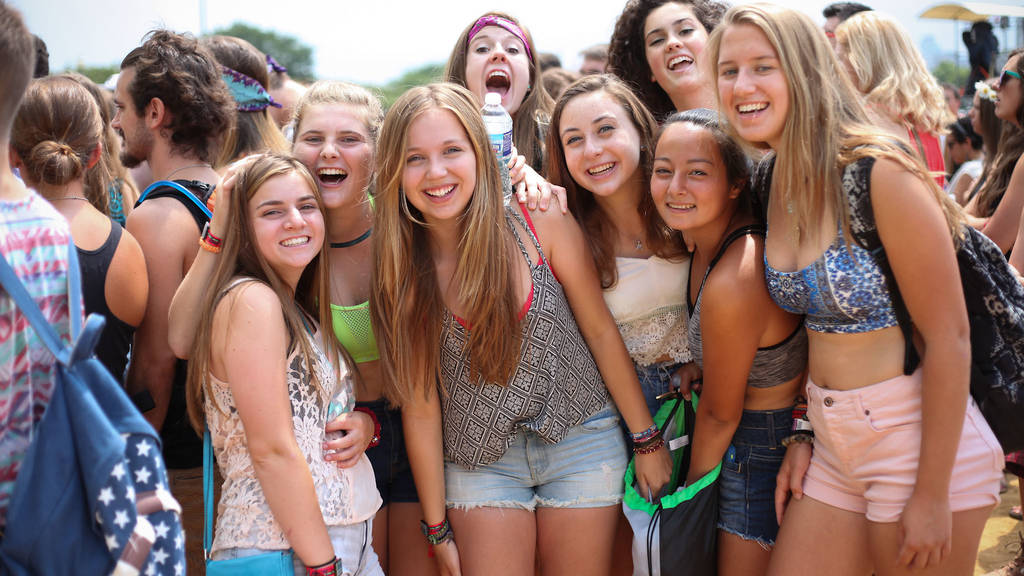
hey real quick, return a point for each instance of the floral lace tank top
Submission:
(244, 519)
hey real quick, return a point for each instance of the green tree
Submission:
(287, 50)
(947, 71)
(97, 74)
(416, 77)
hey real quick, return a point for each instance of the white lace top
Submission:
(649, 309)
(244, 519)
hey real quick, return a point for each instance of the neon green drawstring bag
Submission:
(677, 534)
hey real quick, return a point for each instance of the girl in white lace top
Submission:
(261, 379)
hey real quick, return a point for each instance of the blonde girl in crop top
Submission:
(780, 86)
(447, 249)
(261, 377)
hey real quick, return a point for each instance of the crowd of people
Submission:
(399, 373)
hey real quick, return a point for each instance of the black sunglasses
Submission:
(1006, 75)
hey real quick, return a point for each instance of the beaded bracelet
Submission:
(798, 438)
(211, 248)
(375, 439)
(332, 568)
(649, 447)
(646, 435)
(437, 533)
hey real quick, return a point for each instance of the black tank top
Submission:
(182, 447)
(112, 349)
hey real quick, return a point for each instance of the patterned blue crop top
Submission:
(843, 291)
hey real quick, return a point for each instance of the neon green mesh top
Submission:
(353, 329)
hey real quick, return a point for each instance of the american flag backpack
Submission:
(91, 496)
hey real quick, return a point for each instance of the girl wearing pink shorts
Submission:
(904, 469)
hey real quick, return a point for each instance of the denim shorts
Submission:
(746, 502)
(389, 460)
(583, 470)
(351, 544)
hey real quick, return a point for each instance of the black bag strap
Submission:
(865, 233)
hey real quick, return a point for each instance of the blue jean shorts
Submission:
(351, 544)
(583, 470)
(746, 502)
(389, 459)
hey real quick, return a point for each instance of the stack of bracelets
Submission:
(802, 431)
(209, 242)
(437, 533)
(648, 441)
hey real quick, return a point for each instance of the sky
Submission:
(375, 41)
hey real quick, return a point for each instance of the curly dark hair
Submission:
(627, 56)
(186, 78)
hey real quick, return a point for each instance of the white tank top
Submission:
(648, 305)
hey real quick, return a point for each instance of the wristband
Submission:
(332, 568)
(437, 533)
(650, 446)
(802, 425)
(208, 236)
(646, 435)
(211, 248)
(798, 438)
(375, 439)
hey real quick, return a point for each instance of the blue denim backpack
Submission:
(92, 493)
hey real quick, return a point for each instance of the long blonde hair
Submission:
(240, 257)
(826, 127)
(406, 306)
(889, 70)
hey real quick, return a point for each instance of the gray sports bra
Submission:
(773, 365)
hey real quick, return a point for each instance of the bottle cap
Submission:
(492, 99)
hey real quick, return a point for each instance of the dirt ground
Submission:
(999, 542)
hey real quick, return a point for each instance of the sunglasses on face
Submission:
(1007, 75)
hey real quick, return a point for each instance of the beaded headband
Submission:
(249, 94)
(986, 91)
(500, 22)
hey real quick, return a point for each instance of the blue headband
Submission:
(249, 94)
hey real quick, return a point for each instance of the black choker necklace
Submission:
(362, 237)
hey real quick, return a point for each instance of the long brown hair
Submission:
(240, 257)
(406, 306)
(531, 119)
(1010, 149)
(596, 224)
(826, 126)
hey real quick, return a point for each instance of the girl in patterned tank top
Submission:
(261, 377)
(504, 406)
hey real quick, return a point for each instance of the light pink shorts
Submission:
(867, 445)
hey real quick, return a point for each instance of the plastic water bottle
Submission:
(499, 130)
